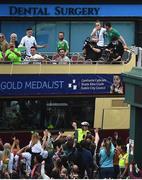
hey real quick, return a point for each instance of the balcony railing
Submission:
(75, 58)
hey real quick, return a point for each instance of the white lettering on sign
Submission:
(93, 84)
(11, 85)
(44, 84)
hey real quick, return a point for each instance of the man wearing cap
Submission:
(80, 133)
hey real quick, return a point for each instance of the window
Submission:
(53, 113)
(18, 27)
(46, 32)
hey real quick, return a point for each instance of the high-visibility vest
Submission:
(50, 126)
(81, 134)
(123, 159)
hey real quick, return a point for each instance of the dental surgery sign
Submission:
(47, 84)
(70, 10)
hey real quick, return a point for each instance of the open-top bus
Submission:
(39, 96)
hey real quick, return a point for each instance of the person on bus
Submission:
(116, 50)
(3, 43)
(28, 41)
(112, 32)
(1, 56)
(80, 133)
(63, 59)
(13, 55)
(91, 50)
(99, 33)
(62, 43)
(117, 86)
(13, 39)
(35, 56)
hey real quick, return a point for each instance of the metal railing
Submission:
(78, 58)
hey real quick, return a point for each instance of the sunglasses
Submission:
(1, 36)
(116, 79)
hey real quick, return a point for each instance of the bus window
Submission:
(52, 113)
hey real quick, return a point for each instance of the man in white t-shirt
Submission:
(98, 33)
(34, 54)
(28, 41)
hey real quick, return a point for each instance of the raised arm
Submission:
(22, 150)
(41, 46)
(123, 42)
(44, 139)
(93, 32)
(59, 136)
(97, 137)
(43, 175)
(97, 50)
(13, 144)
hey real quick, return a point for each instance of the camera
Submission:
(90, 42)
(87, 41)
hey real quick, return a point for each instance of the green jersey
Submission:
(12, 57)
(63, 45)
(112, 33)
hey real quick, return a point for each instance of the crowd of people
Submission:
(94, 48)
(81, 155)
(12, 51)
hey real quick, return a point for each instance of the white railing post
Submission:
(139, 62)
